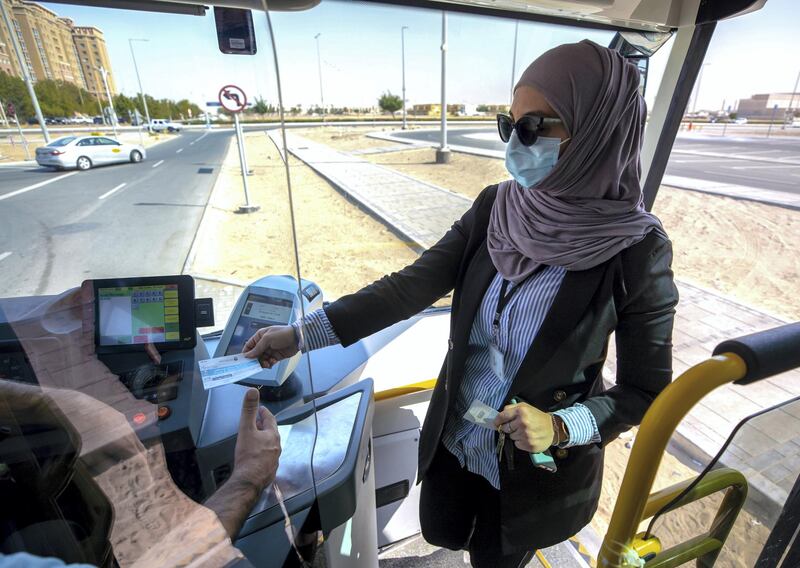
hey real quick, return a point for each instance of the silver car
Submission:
(84, 152)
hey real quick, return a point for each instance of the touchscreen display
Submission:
(259, 311)
(138, 314)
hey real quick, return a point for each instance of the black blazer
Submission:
(633, 294)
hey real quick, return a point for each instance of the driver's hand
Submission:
(271, 344)
(258, 445)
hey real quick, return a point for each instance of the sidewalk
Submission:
(767, 451)
(419, 212)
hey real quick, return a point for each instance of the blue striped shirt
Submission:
(473, 445)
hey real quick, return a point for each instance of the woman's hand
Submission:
(529, 428)
(271, 344)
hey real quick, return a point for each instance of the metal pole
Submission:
(319, 67)
(25, 72)
(3, 110)
(247, 207)
(104, 74)
(771, 118)
(789, 113)
(244, 154)
(403, 56)
(697, 92)
(514, 61)
(21, 135)
(139, 79)
(443, 152)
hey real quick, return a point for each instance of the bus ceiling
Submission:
(616, 15)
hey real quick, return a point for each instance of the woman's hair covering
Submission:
(590, 206)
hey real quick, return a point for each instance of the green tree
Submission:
(12, 90)
(260, 106)
(390, 103)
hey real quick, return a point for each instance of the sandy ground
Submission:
(331, 231)
(343, 248)
(746, 539)
(12, 149)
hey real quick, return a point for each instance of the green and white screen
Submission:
(138, 314)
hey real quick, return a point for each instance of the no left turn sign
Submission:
(232, 98)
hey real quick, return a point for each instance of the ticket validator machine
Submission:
(272, 300)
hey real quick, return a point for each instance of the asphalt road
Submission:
(743, 161)
(68, 226)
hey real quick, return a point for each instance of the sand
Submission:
(342, 247)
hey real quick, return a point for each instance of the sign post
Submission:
(771, 119)
(12, 111)
(233, 99)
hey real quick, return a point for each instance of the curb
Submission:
(743, 157)
(740, 192)
(390, 137)
(192, 254)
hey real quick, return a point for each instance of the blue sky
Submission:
(361, 54)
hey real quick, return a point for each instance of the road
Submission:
(58, 228)
(742, 161)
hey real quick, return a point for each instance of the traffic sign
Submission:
(232, 98)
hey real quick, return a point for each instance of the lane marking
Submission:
(749, 178)
(35, 186)
(759, 152)
(5, 255)
(109, 193)
(158, 163)
(765, 167)
(179, 150)
(200, 138)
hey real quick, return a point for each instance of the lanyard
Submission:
(502, 302)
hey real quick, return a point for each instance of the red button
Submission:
(139, 418)
(164, 412)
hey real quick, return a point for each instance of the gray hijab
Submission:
(590, 206)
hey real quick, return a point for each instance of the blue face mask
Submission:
(530, 164)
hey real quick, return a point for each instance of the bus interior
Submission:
(116, 472)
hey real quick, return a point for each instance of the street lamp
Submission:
(697, 88)
(514, 62)
(403, 48)
(319, 67)
(104, 74)
(139, 79)
(443, 152)
(789, 114)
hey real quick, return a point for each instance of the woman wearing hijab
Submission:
(544, 268)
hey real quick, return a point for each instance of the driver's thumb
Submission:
(249, 409)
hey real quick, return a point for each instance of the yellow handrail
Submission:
(657, 427)
(405, 389)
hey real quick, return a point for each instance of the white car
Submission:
(85, 152)
(161, 124)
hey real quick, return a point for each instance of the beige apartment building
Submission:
(91, 50)
(55, 48)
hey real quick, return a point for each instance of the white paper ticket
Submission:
(227, 370)
(481, 414)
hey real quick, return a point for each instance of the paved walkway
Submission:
(415, 209)
(767, 450)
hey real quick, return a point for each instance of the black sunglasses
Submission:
(528, 127)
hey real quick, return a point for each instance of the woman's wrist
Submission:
(560, 431)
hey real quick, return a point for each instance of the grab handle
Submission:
(766, 353)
